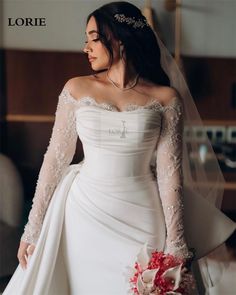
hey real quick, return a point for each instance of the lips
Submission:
(91, 59)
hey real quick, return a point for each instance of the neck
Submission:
(121, 74)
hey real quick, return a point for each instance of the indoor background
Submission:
(36, 61)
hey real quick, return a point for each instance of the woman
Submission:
(88, 221)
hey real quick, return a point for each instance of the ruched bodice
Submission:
(90, 219)
(122, 139)
(118, 148)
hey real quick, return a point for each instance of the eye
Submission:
(95, 40)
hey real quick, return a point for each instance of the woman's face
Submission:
(95, 49)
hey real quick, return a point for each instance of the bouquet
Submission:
(162, 274)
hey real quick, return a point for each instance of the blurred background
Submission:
(36, 61)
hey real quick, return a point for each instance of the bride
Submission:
(89, 220)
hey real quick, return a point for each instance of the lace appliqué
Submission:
(152, 104)
(170, 177)
(58, 156)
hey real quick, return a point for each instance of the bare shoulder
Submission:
(77, 85)
(165, 94)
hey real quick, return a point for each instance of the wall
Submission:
(207, 25)
(36, 62)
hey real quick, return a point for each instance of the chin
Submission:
(99, 67)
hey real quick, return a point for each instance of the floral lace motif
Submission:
(152, 104)
(170, 177)
(58, 156)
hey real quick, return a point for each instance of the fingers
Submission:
(25, 250)
(22, 260)
(30, 249)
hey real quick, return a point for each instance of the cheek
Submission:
(104, 53)
(102, 50)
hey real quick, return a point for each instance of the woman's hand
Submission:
(24, 251)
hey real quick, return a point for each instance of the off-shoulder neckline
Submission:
(130, 107)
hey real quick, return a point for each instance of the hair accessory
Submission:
(120, 17)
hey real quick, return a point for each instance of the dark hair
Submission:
(140, 44)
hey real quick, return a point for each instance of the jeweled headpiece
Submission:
(120, 17)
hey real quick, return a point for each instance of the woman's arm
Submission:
(170, 176)
(58, 156)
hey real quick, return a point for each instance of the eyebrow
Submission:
(91, 32)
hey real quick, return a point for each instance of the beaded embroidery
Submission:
(59, 154)
(170, 177)
(152, 104)
(140, 23)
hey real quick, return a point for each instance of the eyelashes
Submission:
(95, 40)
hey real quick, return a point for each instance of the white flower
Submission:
(174, 274)
(143, 257)
(145, 281)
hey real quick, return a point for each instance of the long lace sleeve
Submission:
(170, 177)
(58, 156)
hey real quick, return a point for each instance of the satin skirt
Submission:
(92, 231)
(94, 228)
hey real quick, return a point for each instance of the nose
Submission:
(86, 50)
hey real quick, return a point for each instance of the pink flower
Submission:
(161, 274)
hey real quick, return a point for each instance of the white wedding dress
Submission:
(89, 220)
